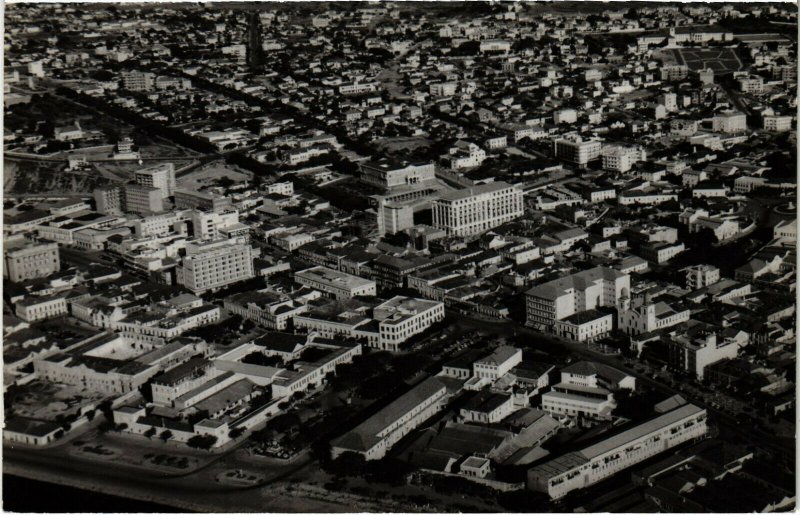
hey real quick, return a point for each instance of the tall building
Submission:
(109, 199)
(215, 264)
(161, 176)
(475, 210)
(143, 199)
(621, 159)
(255, 52)
(729, 121)
(576, 150)
(558, 299)
(25, 259)
(138, 81)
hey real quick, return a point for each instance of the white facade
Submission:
(591, 465)
(338, 285)
(41, 308)
(576, 150)
(160, 176)
(475, 210)
(214, 265)
(621, 159)
(579, 292)
(729, 122)
(778, 123)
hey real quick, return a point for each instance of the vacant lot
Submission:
(721, 60)
(207, 175)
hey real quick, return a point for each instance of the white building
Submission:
(387, 174)
(161, 176)
(621, 159)
(694, 354)
(374, 437)
(595, 463)
(700, 276)
(498, 363)
(583, 291)
(646, 316)
(400, 318)
(33, 308)
(729, 122)
(477, 209)
(25, 259)
(777, 123)
(575, 149)
(215, 264)
(338, 285)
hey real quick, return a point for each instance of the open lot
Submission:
(45, 400)
(208, 174)
(721, 60)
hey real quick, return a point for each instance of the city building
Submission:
(477, 209)
(582, 291)
(621, 159)
(143, 200)
(214, 264)
(580, 469)
(161, 177)
(374, 437)
(388, 175)
(576, 150)
(700, 276)
(729, 122)
(338, 285)
(26, 259)
(201, 200)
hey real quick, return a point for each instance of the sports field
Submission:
(721, 60)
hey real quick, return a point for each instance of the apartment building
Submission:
(143, 199)
(729, 122)
(338, 285)
(621, 159)
(443, 89)
(575, 149)
(583, 468)
(477, 209)
(25, 259)
(700, 276)
(138, 81)
(161, 176)
(400, 318)
(374, 437)
(109, 199)
(777, 123)
(692, 353)
(215, 264)
(583, 291)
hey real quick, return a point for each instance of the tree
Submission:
(150, 433)
(205, 442)
(166, 435)
(236, 432)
